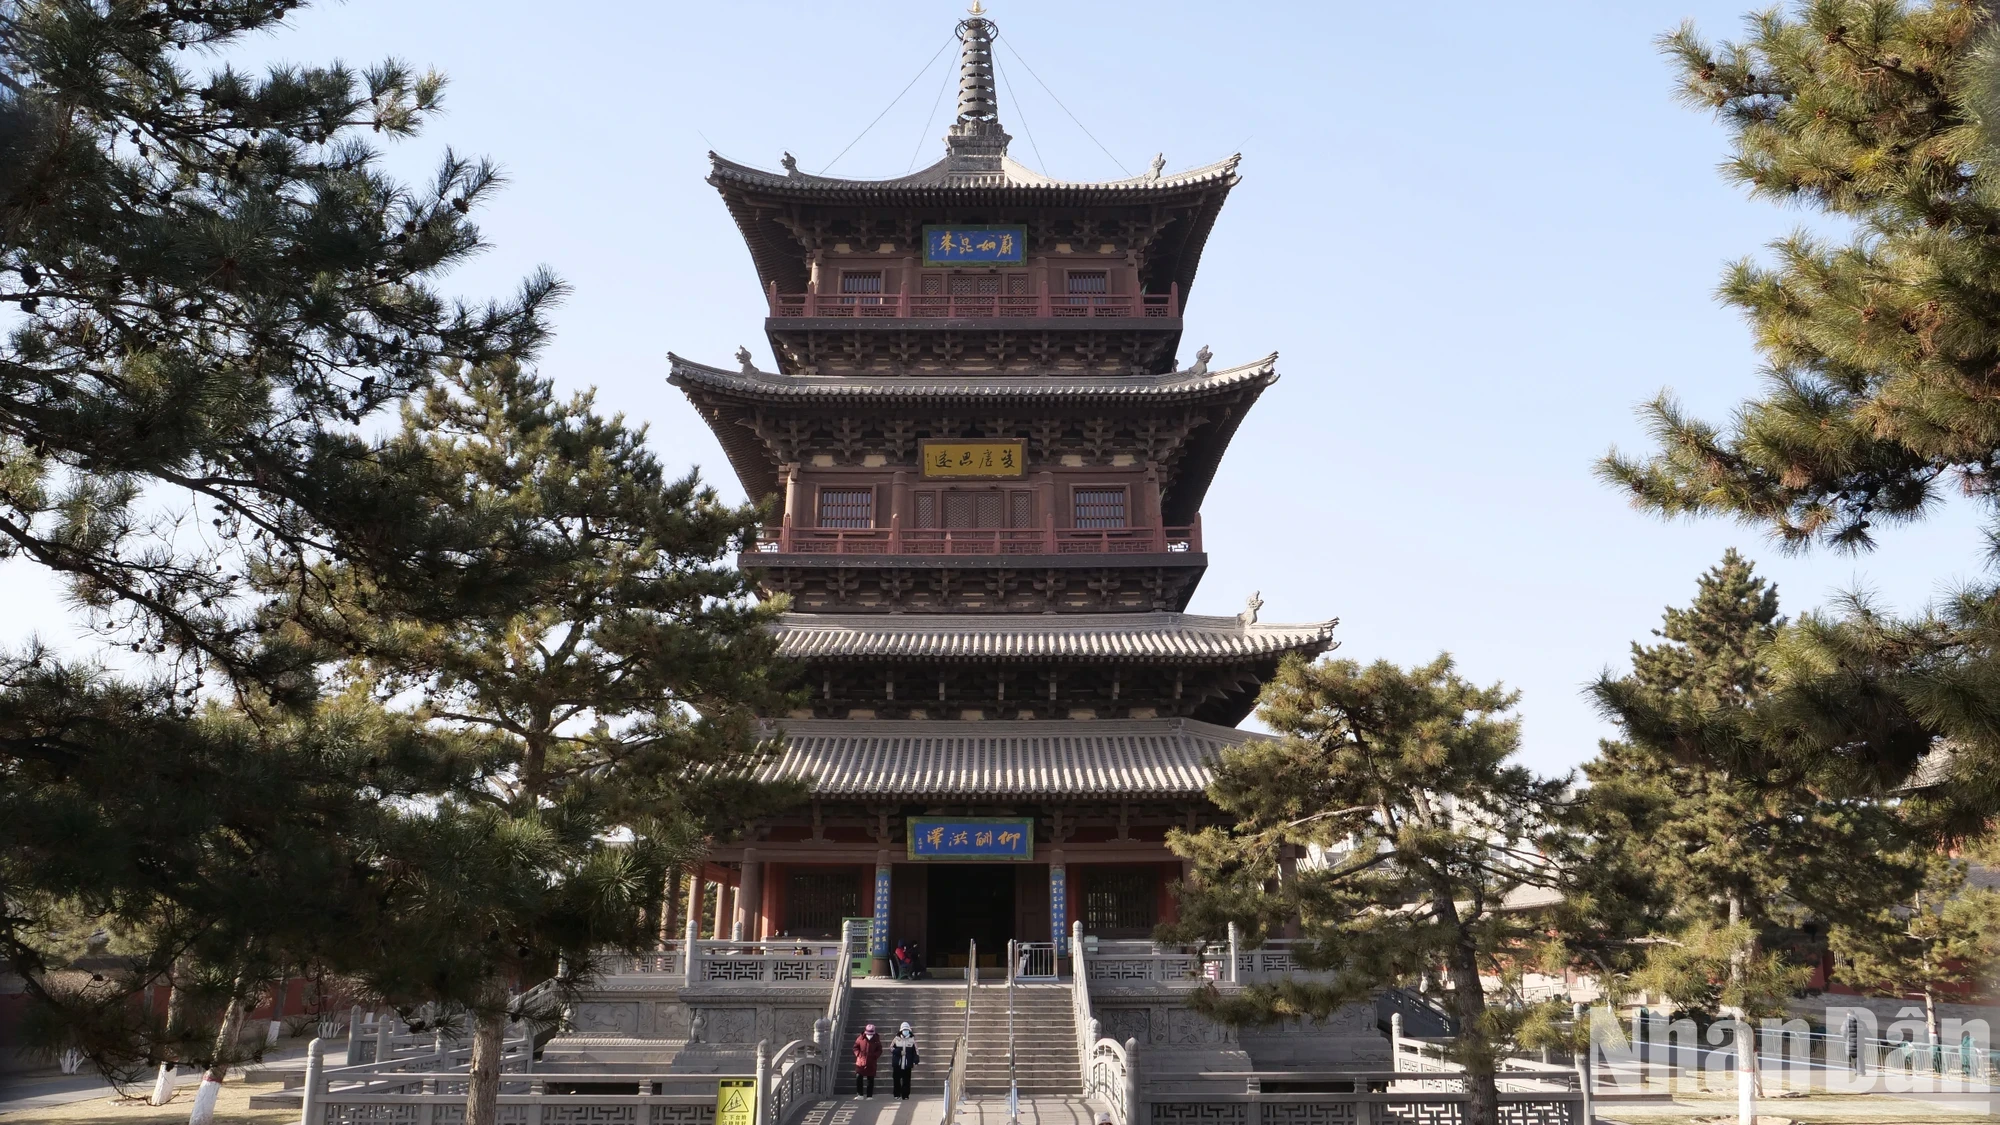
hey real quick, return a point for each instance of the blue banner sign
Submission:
(988, 245)
(972, 837)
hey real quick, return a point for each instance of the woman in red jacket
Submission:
(867, 1049)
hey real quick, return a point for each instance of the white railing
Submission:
(1144, 961)
(1238, 1099)
(1109, 1076)
(669, 959)
(775, 962)
(1087, 1031)
(843, 992)
(418, 1099)
(800, 1074)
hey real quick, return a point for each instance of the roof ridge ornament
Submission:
(1249, 614)
(976, 142)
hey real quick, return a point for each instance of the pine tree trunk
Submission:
(1468, 998)
(164, 1083)
(1746, 1043)
(1931, 1023)
(482, 1088)
(226, 1046)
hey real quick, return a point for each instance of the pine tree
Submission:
(213, 285)
(1402, 778)
(1944, 938)
(1881, 349)
(1740, 852)
(607, 725)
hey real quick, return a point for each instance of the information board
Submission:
(736, 1101)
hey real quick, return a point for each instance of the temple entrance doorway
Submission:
(969, 902)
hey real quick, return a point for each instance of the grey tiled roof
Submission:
(903, 388)
(856, 759)
(1013, 175)
(1124, 637)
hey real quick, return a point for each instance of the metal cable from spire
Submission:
(885, 109)
(1066, 109)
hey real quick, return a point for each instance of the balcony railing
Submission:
(978, 306)
(980, 541)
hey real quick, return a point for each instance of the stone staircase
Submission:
(1044, 1035)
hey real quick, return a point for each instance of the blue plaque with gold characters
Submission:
(972, 837)
(975, 245)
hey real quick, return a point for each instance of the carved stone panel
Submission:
(597, 1018)
(1190, 1029)
(670, 1020)
(731, 1025)
(793, 1023)
(1126, 1023)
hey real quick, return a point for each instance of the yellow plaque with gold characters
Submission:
(974, 458)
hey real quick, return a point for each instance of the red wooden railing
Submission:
(980, 541)
(977, 306)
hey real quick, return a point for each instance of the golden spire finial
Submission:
(977, 9)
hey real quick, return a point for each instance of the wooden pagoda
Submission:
(987, 469)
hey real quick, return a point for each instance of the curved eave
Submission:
(1151, 639)
(753, 195)
(1001, 760)
(713, 390)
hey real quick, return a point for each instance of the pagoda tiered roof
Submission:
(776, 211)
(744, 408)
(1150, 638)
(1000, 759)
(959, 388)
(1012, 176)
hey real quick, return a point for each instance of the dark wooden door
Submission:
(1031, 902)
(909, 901)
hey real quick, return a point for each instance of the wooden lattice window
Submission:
(975, 284)
(816, 901)
(1100, 507)
(1020, 508)
(926, 514)
(847, 507)
(861, 281)
(1120, 901)
(1018, 285)
(1089, 281)
(973, 509)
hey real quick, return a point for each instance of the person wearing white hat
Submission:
(902, 1060)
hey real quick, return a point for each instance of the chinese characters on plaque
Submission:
(974, 458)
(972, 837)
(989, 245)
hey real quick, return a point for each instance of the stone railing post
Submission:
(309, 1107)
(1396, 1041)
(1232, 954)
(383, 1049)
(763, 1082)
(1135, 1110)
(693, 935)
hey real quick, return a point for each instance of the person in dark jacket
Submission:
(867, 1049)
(902, 1060)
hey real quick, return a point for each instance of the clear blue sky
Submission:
(1476, 233)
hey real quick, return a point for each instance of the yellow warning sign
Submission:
(736, 1101)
